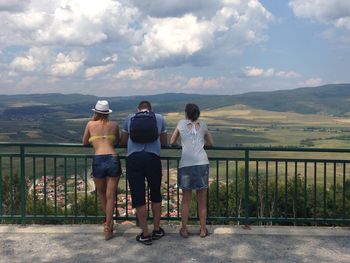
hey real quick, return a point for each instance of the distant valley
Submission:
(314, 117)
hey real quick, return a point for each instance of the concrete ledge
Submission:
(85, 243)
(174, 229)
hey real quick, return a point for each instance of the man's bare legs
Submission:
(142, 217)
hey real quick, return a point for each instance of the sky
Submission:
(138, 47)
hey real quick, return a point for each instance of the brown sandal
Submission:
(203, 232)
(108, 230)
(183, 232)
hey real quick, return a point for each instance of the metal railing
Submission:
(52, 182)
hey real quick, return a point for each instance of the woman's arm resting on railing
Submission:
(174, 136)
(86, 135)
(117, 136)
(208, 139)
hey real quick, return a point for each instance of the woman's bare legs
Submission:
(112, 184)
(185, 208)
(101, 187)
(106, 189)
(202, 210)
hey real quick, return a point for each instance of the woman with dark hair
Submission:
(103, 134)
(193, 173)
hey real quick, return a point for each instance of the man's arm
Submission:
(163, 133)
(164, 139)
(124, 138)
(125, 132)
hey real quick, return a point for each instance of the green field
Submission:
(237, 125)
(242, 125)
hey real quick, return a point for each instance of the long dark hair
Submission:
(100, 117)
(192, 111)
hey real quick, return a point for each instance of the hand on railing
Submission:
(174, 146)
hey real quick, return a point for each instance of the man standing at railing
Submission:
(144, 132)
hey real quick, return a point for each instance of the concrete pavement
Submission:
(85, 243)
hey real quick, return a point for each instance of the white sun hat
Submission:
(102, 107)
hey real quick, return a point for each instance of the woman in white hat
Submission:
(103, 134)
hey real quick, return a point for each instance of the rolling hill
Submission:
(333, 99)
(61, 117)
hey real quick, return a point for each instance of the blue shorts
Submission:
(193, 177)
(140, 166)
(106, 165)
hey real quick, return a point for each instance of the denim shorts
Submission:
(106, 165)
(193, 177)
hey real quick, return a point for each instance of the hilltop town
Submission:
(56, 190)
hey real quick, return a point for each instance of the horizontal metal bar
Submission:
(10, 154)
(254, 159)
(241, 219)
(299, 160)
(224, 148)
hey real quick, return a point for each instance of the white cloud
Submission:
(47, 61)
(54, 40)
(32, 60)
(26, 82)
(93, 71)
(69, 22)
(244, 22)
(177, 40)
(250, 71)
(176, 36)
(5, 78)
(335, 12)
(113, 58)
(13, 5)
(67, 65)
(203, 83)
(195, 30)
(171, 8)
(131, 74)
(258, 72)
(288, 74)
(28, 21)
(312, 82)
(26, 63)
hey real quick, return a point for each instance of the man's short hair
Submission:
(145, 105)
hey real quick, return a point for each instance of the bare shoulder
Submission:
(90, 123)
(113, 123)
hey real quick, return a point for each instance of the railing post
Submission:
(1, 191)
(246, 186)
(23, 184)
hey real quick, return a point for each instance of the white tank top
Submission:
(192, 142)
